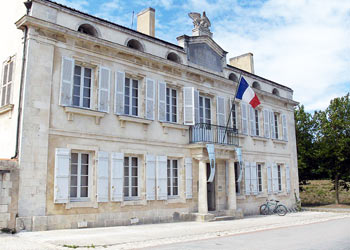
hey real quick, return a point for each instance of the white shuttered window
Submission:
(189, 106)
(247, 177)
(102, 176)
(150, 98)
(67, 81)
(103, 89)
(188, 167)
(62, 161)
(284, 127)
(162, 178)
(266, 123)
(119, 93)
(244, 109)
(161, 101)
(287, 179)
(150, 177)
(117, 175)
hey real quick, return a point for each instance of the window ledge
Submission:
(135, 202)
(279, 141)
(175, 199)
(259, 138)
(71, 111)
(79, 204)
(124, 118)
(167, 125)
(240, 197)
(6, 108)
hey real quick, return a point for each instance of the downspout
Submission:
(28, 5)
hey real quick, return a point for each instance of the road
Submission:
(329, 235)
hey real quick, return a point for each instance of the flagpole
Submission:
(233, 103)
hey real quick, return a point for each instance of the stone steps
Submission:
(223, 218)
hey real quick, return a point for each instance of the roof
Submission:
(111, 23)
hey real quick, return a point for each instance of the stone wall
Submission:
(8, 193)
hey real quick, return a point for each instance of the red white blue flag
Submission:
(247, 94)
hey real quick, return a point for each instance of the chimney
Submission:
(244, 62)
(146, 21)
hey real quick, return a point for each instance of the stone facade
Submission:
(114, 127)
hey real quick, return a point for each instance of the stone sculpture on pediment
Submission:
(201, 24)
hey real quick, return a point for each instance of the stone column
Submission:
(202, 192)
(231, 203)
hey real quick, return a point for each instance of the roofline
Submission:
(111, 23)
(262, 78)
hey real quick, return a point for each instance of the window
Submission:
(173, 179)
(259, 170)
(171, 105)
(82, 87)
(173, 57)
(237, 174)
(275, 92)
(256, 85)
(234, 116)
(256, 113)
(79, 176)
(233, 77)
(130, 177)
(279, 176)
(134, 44)
(276, 125)
(204, 110)
(87, 29)
(131, 97)
(6, 83)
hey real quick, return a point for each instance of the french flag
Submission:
(247, 94)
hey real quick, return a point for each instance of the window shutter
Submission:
(284, 127)
(252, 121)
(102, 176)
(220, 111)
(272, 125)
(188, 166)
(150, 177)
(150, 97)
(162, 101)
(269, 179)
(103, 89)
(162, 187)
(287, 179)
(67, 81)
(62, 166)
(119, 93)
(196, 106)
(275, 178)
(253, 178)
(117, 176)
(244, 107)
(266, 124)
(189, 109)
(247, 178)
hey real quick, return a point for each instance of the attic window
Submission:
(233, 77)
(256, 85)
(134, 44)
(275, 92)
(173, 57)
(87, 29)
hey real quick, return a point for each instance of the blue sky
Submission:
(304, 44)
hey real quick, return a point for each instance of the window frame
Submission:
(130, 195)
(234, 116)
(171, 178)
(82, 86)
(78, 198)
(257, 122)
(131, 96)
(171, 105)
(279, 177)
(276, 122)
(259, 178)
(7, 84)
(202, 107)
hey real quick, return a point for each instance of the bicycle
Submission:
(271, 207)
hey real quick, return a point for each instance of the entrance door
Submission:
(210, 191)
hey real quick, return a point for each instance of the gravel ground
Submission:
(141, 236)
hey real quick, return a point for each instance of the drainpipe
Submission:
(28, 5)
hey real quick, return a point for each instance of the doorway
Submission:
(210, 191)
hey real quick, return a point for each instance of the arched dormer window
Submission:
(173, 57)
(275, 92)
(134, 44)
(256, 85)
(233, 77)
(87, 29)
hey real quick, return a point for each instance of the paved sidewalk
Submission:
(140, 236)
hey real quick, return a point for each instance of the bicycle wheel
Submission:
(281, 210)
(264, 210)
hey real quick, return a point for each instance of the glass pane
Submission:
(85, 158)
(8, 93)
(87, 82)
(174, 163)
(5, 75)
(207, 103)
(85, 169)
(175, 191)
(134, 111)
(174, 94)
(126, 171)
(73, 181)
(126, 161)
(83, 192)
(169, 190)
(134, 181)
(76, 90)
(134, 84)
(77, 70)
(76, 100)
(87, 72)
(175, 182)
(73, 192)
(84, 181)
(76, 80)
(134, 92)
(169, 181)
(10, 72)
(86, 92)
(86, 102)
(126, 181)
(126, 109)
(74, 158)
(74, 169)
(134, 171)
(174, 172)
(134, 161)
(3, 94)
(134, 191)
(126, 191)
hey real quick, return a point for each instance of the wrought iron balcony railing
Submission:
(203, 132)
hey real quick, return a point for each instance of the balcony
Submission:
(202, 132)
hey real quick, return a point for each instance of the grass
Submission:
(320, 192)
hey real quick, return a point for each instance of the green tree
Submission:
(333, 139)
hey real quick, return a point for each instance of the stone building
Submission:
(110, 125)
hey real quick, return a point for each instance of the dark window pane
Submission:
(126, 181)
(4, 81)
(134, 181)
(73, 181)
(174, 172)
(3, 94)
(134, 172)
(87, 72)
(85, 169)
(83, 192)
(87, 82)
(175, 191)
(134, 84)
(76, 100)
(126, 161)
(85, 158)
(8, 96)
(77, 81)
(76, 90)
(175, 182)
(10, 72)
(134, 111)
(74, 169)
(134, 161)
(207, 103)
(73, 192)
(77, 70)
(84, 181)
(74, 158)
(126, 171)
(126, 192)
(169, 190)
(134, 191)
(86, 92)
(86, 102)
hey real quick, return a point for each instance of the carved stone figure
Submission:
(200, 22)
